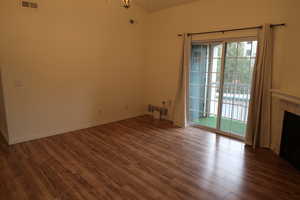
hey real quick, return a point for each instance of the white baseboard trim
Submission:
(30, 137)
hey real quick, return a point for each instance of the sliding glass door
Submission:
(220, 82)
(205, 83)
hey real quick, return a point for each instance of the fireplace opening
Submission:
(290, 142)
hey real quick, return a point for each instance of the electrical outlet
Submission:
(18, 84)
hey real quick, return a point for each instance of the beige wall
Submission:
(66, 61)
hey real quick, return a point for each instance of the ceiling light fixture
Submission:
(126, 3)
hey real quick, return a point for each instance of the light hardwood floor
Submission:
(143, 159)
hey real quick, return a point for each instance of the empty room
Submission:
(149, 99)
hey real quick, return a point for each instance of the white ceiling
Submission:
(154, 5)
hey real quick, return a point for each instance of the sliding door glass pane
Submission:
(198, 81)
(239, 65)
(205, 84)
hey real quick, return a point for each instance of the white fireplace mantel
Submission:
(283, 101)
(285, 96)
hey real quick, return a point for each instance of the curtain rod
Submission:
(230, 30)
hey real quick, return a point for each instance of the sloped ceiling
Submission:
(154, 5)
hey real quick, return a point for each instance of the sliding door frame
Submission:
(224, 42)
(221, 87)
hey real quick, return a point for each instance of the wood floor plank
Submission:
(143, 159)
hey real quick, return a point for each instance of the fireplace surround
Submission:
(282, 104)
(290, 139)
